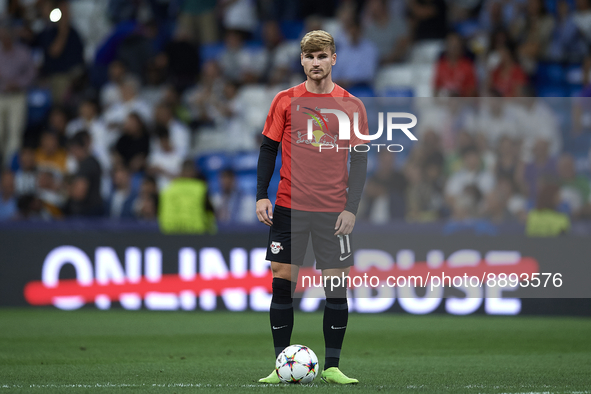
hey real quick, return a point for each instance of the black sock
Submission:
(336, 315)
(281, 314)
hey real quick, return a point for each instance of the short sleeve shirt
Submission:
(314, 173)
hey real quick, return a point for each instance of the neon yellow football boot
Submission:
(334, 375)
(271, 379)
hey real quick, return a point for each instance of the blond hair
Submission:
(317, 40)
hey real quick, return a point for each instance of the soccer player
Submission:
(312, 198)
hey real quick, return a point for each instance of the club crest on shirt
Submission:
(276, 247)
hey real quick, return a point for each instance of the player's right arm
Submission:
(272, 134)
(265, 169)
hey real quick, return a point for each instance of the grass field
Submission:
(160, 352)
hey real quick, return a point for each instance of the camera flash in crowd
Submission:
(55, 15)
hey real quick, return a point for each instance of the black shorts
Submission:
(291, 229)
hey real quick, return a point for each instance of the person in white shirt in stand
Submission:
(536, 120)
(179, 133)
(165, 163)
(111, 92)
(116, 114)
(471, 174)
(102, 139)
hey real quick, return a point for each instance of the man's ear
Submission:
(302, 59)
(334, 59)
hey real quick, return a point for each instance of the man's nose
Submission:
(315, 62)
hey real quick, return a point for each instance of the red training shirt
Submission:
(313, 178)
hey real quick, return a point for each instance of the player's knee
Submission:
(284, 271)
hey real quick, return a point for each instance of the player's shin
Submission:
(281, 314)
(336, 315)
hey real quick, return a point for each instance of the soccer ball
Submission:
(297, 364)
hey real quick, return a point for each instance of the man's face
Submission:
(318, 65)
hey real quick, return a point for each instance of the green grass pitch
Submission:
(45, 350)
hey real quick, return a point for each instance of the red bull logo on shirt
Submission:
(318, 137)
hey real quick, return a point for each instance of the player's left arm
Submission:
(357, 174)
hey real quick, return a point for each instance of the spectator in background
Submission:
(178, 133)
(148, 185)
(229, 114)
(122, 198)
(429, 19)
(30, 207)
(200, 98)
(155, 78)
(101, 137)
(84, 196)
(119, 11)
(542, 166)
(50, 154)
(507, 161)
(495, 119)
(165, 162)
(582, 18)
(231, 204)
(465, 187)
(63, 50)
(199, 20)
(130, 102)
(534, 34)
(50, 194)
(111, 91)
(147, 206)
(136, 49)
(536, 120)
(508, 78)
(388, 31)
(172, 97)
(442, 120)
(16, 76)
(487, 155)
(467, 204)
(423, 197)
(454, 73)
(182, 55)
(499, 14)
(453, 160)
(574, 188)
(544, 220)
(385, 191)
(58, 122)
(8, 208)
(25, 178)
(184, 204)
(566, 42)
(236, 61)
(357, 58)
(239, 15)
(277, 58)
(494, 208)
(515, 202)
(134, 145)
(491, 58)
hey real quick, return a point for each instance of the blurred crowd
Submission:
(479, 163)
(105, 104)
